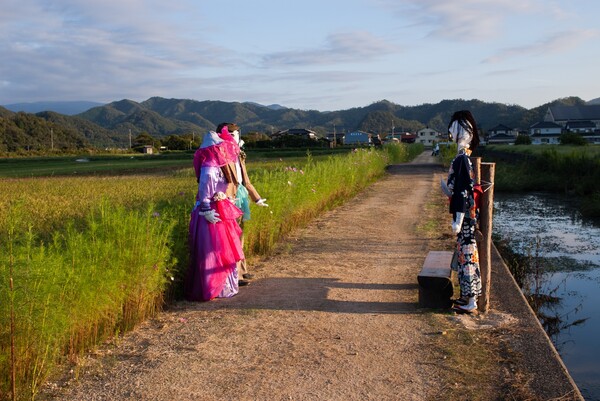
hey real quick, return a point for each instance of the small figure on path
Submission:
(460, 188)
(214, 234)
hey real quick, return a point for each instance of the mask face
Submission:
(236, 136)
(459, 135)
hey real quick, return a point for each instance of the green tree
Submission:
(523, 140)
(572, 138)
(176, 142)
(252, 137)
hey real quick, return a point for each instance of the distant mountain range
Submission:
(594, 101)
(110, 124)
(68, 108)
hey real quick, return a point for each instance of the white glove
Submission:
(261, 202)
(211, 216)
(445, 188)
(457, 223)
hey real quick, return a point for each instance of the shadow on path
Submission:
(318, 294)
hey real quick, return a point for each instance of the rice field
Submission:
(86, 258)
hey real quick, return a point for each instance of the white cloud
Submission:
(554, 43)
(465, 20)
(338, 48)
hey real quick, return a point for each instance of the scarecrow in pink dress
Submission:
(214, 235)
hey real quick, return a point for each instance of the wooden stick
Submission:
(488, 171)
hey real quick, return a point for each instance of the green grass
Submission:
(90, 257)
(90, 165)
(569, 170)
(82, 165)
(590, 150)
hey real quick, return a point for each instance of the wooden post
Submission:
(488, 171)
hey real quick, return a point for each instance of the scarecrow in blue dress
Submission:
(459, 186)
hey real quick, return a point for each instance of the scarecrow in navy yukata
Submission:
(460, 188)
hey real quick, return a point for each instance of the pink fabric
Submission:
(215, 249)
(225, 135)
(215, 155)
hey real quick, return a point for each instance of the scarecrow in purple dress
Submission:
(214, 234)
(460, 188)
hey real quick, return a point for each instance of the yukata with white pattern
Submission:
(460, 188)
(460, 182)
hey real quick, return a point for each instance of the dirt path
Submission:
(332, 316)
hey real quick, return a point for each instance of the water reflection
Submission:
(551, 227)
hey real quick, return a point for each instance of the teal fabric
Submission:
(242, 200)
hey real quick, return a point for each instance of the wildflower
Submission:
(314, 190)
(183, 320)
(172, 278)
(181, 193)
(301, 172)
(289, 183)
(155, 214)
(294, 169)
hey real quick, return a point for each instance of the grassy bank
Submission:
(569, 170)
(85, 258)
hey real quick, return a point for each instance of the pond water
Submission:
(551, 228)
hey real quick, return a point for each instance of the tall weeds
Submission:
(81, 286)
(571, 171)
(82, 259)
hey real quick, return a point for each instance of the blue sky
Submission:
(322, 55)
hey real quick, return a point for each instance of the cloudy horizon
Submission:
(311, 55)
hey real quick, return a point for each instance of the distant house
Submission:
(407, 137)
(393, 137)
(357, 138)
(568, 114)
(501, 134)
(583, 120)
(586, 129)
(545, 132)
(147, 149)
(580, 127)
(427, 136)
(336, 139)
(297, 132)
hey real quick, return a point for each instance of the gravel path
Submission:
(332, 316)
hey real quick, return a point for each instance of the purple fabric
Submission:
(214, 248)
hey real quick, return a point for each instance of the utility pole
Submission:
(334, 136)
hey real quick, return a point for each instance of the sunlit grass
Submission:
(93, 256)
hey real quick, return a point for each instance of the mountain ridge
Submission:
(109, 125)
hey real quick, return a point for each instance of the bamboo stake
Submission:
(488, 171)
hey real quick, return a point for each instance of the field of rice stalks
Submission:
(86, 258)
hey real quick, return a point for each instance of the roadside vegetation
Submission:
(86, 258)
(565, 169)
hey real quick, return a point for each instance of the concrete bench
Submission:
(435, 283)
